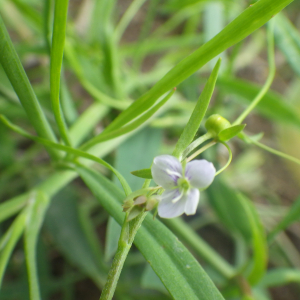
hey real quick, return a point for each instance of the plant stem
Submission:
(200, 150)
(229, 159)
(276, 152)
(127, 18)
(272, 70)
(195, 144)
(129, 230)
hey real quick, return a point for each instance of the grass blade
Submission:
(9, 240)
(57, 50)
(68, 150)
(292, 216)
(19, 80)
(198, 114)
(272, 104)
(260, 255)
(130, 127)
(287, 39)
(35, 217)
(12, 206)
(251, 19)
(166, 255)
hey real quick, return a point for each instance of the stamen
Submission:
(177, 198)
(170, 172)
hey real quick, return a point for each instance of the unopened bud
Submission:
(140, 200)
(127, 205)
(215, 124)
(151, 203)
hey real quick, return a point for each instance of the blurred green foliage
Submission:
(99, 81)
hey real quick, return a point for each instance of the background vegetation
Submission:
(60, 220)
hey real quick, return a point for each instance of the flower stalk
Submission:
(129, 230)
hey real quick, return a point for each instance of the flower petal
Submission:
(192, 201)
(167, 208)
(166, 170)
(200, 173)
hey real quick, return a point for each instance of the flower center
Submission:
(183, 184)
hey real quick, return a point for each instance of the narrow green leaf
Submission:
(143, 173)
(130, 127)
(36, 212)
(280, 276)
(151, 281)
(272, 104)
(167, 256)
(248, 21)
(87, 122)
(68, 150)
(12, 206)
(62, 222)
(260, 255)
(204, 250)
(56, 58)
(239, 215)
(229, 209)
(67, 104)
(287, 39)
(113, 231)
(9, 240)
(47, 18)
(230, 132)
(19, 80)
(198, 114)
(213, 23)
(27, 11)
(292, 216)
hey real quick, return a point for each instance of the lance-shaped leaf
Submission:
(179, 271)
(36, 212)
(14, 70)
(248, 21)
(198, 114)
(58, 41)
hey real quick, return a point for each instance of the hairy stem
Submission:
(129, 230)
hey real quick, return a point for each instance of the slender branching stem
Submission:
(272, 70)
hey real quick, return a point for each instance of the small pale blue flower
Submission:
(181, 185)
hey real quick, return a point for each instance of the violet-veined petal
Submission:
(191, 202)
(200, 173)
(168, 209)
(166, 170)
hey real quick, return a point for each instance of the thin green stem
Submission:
(272, 70)
(229, 159)
(130, 127)
(129, 230)
(69, 150)
(276, 152)
(201, 150)
(195, 144)
(127, 17)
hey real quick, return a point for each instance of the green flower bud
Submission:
(215, 124)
